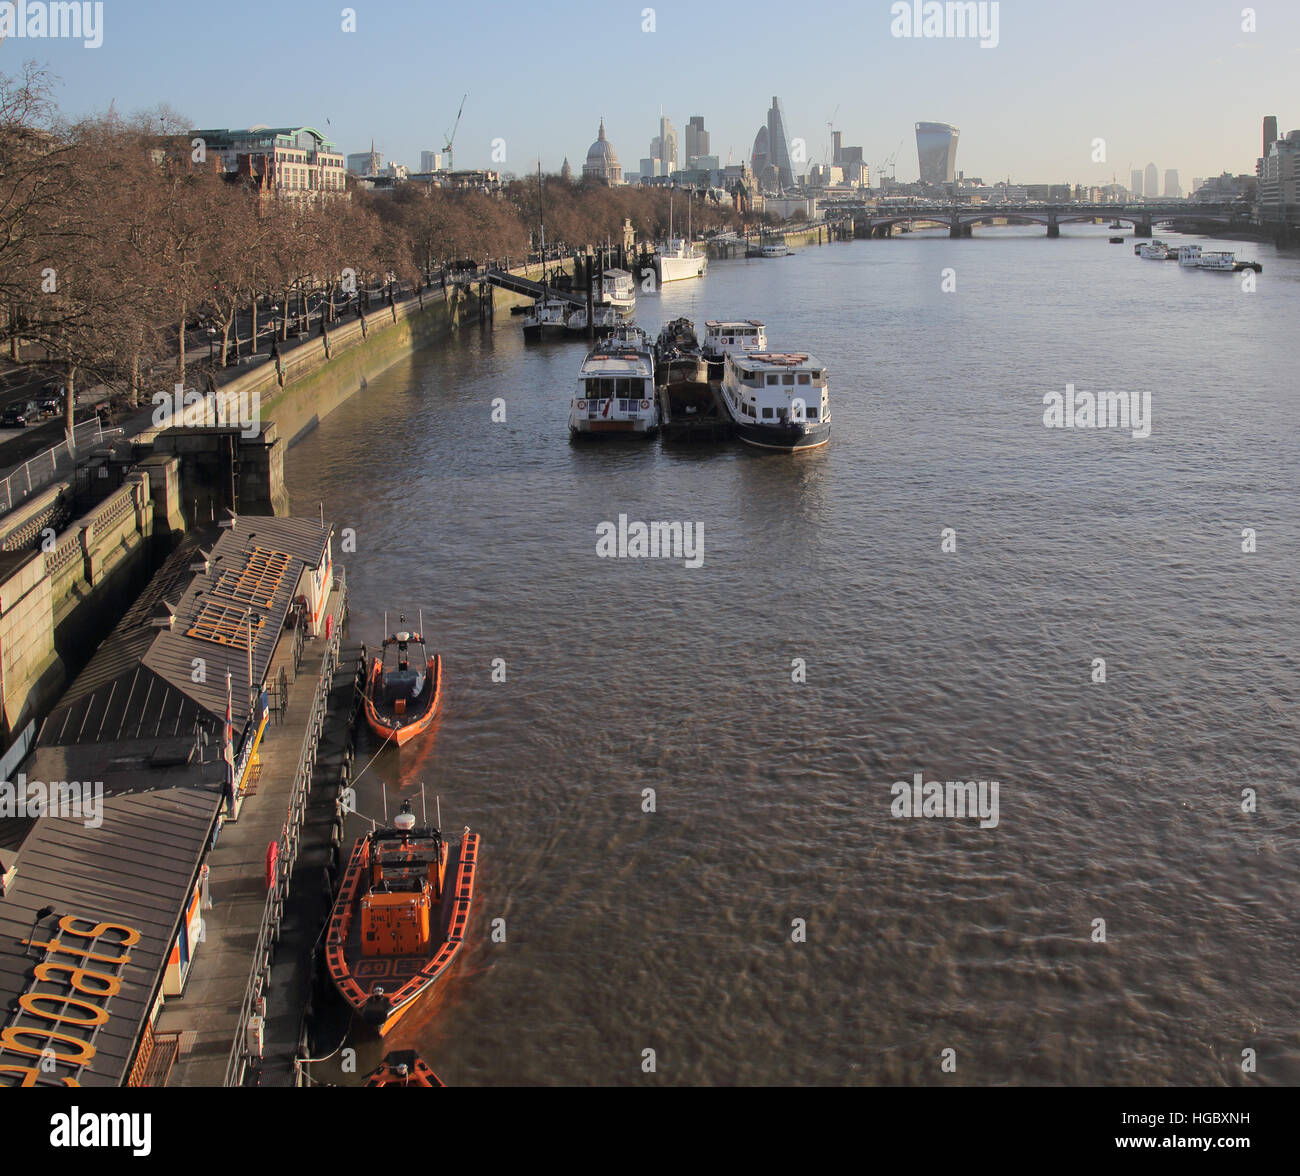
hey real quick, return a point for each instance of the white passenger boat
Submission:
(723, 337)
(777, 400)
(677, 258)
(547, 319)
(1219, 260)
(606, 319)
(617, 290)
(1154, 251)
(616, 387)
(774, 249)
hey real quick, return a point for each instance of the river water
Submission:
(772, 921)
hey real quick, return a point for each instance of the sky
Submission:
(1179, 84)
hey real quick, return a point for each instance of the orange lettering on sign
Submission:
(28, 1002)
(32, 1074)
(130, 934)
(9, 1040)
(76, 976)
(56, 946)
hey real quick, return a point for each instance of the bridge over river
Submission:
(961, 218)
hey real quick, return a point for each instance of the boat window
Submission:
(787, 378)
(593, 387)
(817, 375)
(812, 413)
(767, 413)
(773, 378)
(804, 378)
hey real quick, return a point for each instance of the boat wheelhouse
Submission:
(722, 337)
(403, 687)
(777, 400)
(616, 387)
(1189, 256)
(400, 917)
(547, 319)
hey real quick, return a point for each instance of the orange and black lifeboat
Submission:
(403, 688)
(400, 917)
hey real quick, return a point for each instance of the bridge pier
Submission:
(1053, 228)
(1142, 228)
(954, 228)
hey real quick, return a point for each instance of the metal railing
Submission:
(273, 911)
(45, 467)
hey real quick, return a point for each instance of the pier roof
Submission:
(136, 870)
(162, 671)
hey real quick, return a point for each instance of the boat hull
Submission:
(784, 440)
(677, 269)
(382, 989)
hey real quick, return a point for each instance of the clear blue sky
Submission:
(1174, 82)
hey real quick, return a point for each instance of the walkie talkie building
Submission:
(936, 149)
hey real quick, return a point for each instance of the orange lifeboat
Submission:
(403, 688)
(400, 917)
(403, 1067)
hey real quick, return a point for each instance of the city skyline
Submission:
(1026, 113)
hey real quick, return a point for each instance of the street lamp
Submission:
(212, 345)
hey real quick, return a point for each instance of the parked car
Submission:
(15, 416)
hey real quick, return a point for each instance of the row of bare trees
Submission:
(114, 241)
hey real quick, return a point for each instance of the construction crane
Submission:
(451, 135)
(830, 126)
(889, 163)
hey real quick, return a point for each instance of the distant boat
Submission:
(677, 258)
(547, 319)
(722, 337)
(1156, 251)
(1117, 240)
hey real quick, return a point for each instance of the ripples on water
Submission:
(672, 931)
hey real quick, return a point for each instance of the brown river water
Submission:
(675, 930)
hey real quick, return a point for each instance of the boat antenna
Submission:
(384, 786)
(422, 622)
(424, 808)
(437, 800)
(385, 624)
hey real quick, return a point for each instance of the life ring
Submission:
(582, 404)
(645, 404)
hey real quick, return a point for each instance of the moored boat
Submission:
(403, 1067)
(722, 337)
(1154, 251)
(400, 917)
(616, 290)
(616, 387)
(678, 358)
(403, 687)
(677, 258)
(777, 400)
(547, 319)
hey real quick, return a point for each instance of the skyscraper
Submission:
(430, 161)
(1172, 186)
(936, 150)
(1135, 184)
(1151, 182)
(778, 148)
(758, 158)
(663, 147)
(1270, 132)
(697, 139)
